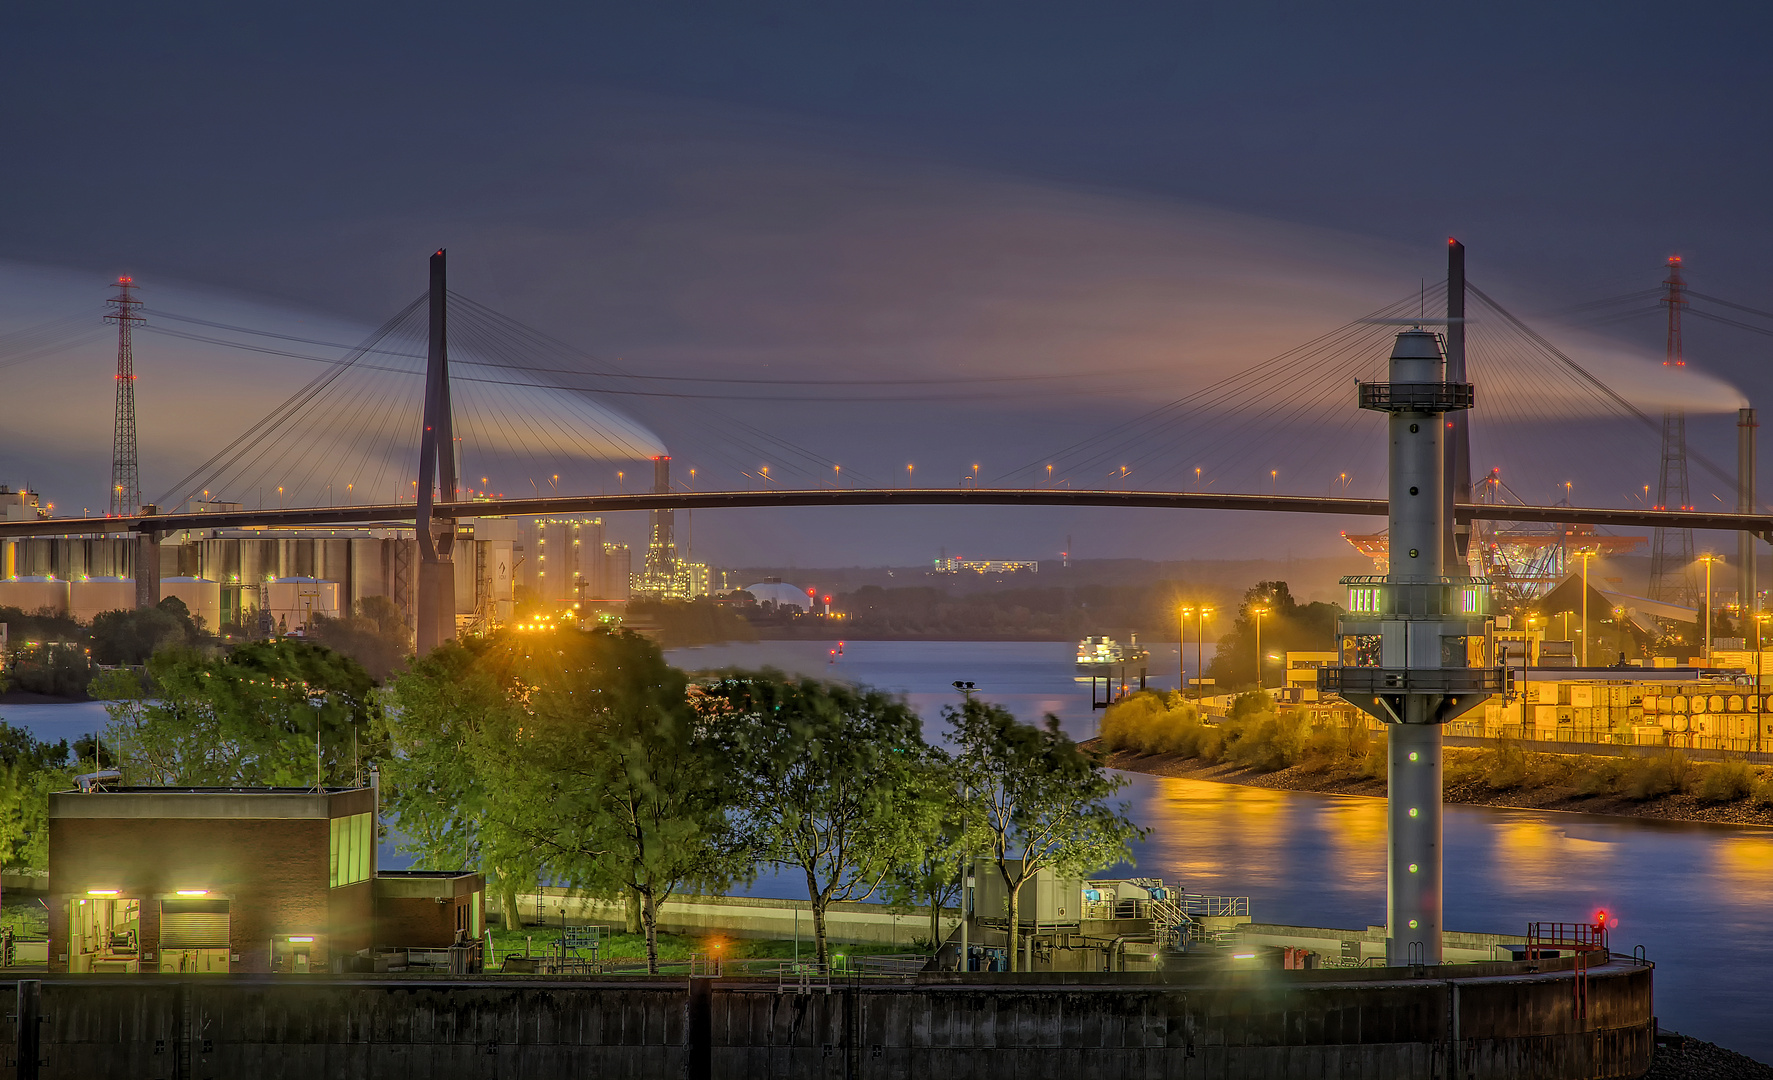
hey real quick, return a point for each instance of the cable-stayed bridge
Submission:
(448, 383)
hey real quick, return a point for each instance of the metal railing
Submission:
(802, 978)
(1373, 680)
(1215, 907)
(1416, 397)
(1546, 937)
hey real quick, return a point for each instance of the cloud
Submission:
(358, 436)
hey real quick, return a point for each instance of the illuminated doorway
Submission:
(194, 936)
(104, 934)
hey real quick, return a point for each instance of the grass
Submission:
(1261, 738)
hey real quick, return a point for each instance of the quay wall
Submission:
(1473, 1022)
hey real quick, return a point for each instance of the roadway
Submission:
(397, 514)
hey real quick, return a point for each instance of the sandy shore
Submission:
(1308, 778)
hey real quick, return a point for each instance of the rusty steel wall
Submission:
(1314, 1023)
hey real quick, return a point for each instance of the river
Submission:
(1695, 896)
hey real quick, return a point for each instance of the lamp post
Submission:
(1585, 556)
(1200, 618)
(1760, 619)
(1708, 558)
(1200, 615)
(1182, 614)
(1258, 612)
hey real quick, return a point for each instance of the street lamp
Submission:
(1708, 558)
(1585, 555)
(1258, 612)
(1761, 618)
(1182, 614)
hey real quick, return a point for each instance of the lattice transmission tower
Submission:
(1671, 553)
(126, 480)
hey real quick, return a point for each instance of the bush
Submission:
(1266, 741)
(1727, 782)
(1596, 777)
(1153, 723)
(1505, 767)
(1645, 778)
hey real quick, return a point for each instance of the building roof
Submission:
(780, 594)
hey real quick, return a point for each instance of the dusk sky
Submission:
(1128, 202)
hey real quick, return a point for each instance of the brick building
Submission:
(236, 880)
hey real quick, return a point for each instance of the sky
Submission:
(1021, 225)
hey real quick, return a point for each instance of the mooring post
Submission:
(29, 1033)
(699, 1030)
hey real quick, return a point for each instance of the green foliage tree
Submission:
(131, 636)
(445, 709)
(1286, 625)
(375, 636)
(259, 715)
(610, 783)
(836, 781)
(29, 770)
(52, 668)
(944, 836)
(1039, 799)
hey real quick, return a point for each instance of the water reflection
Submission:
(1694, 895)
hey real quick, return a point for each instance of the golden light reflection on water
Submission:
(1745, 866)
(1227, 837)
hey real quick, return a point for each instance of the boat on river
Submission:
(1104, 656)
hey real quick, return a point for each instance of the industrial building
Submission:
(568, 561)
(664, 575)
(255, 880)
(270, 580)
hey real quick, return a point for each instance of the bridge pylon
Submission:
(435, 617)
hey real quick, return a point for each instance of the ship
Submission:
(1104, 656)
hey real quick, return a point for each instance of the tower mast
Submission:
(126, 480)
(1671, 551)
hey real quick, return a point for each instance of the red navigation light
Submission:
(827, 599)
(1451, 241)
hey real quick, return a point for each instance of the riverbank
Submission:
(1550, 782)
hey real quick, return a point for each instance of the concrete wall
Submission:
(1277, 1024)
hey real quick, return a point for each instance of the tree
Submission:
(944, 836)
(131, 636)
(835, 781)
(1286, 624)
(611, 783)
(29, 770)
(1038, 799)
(446, 708)
(260, 715)
(375, 636)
